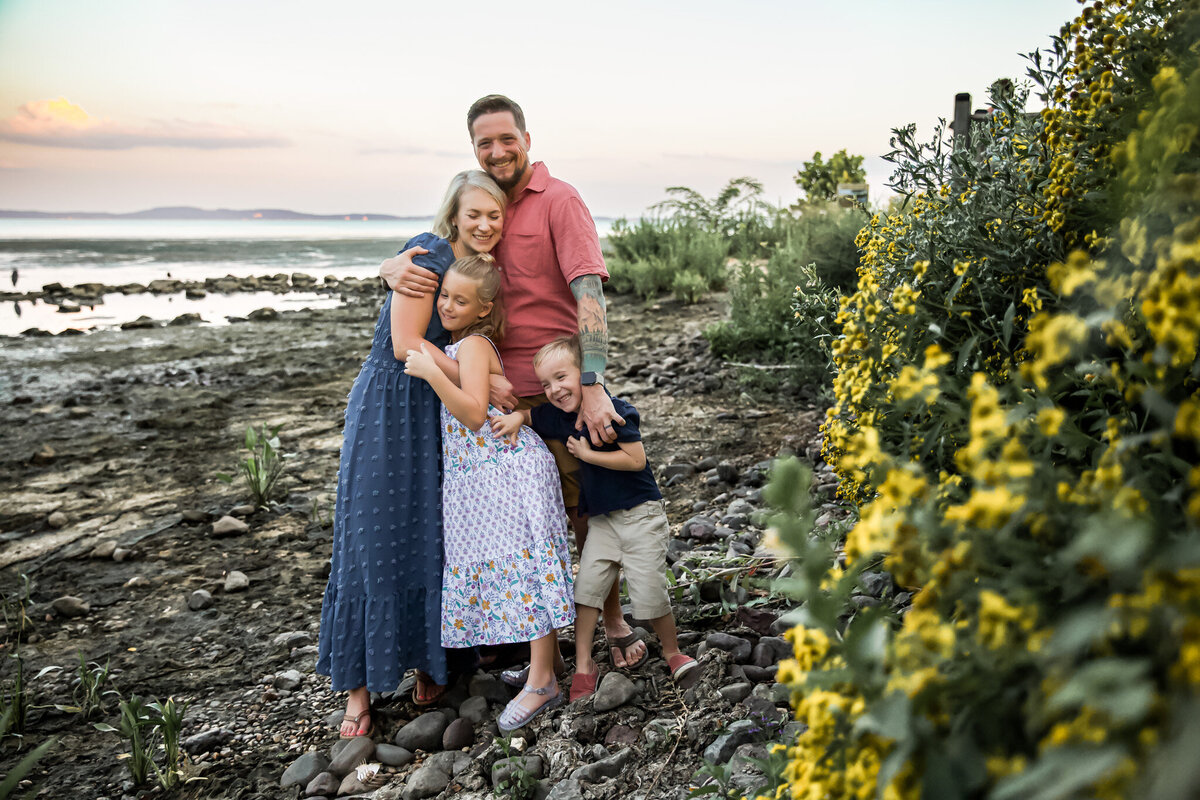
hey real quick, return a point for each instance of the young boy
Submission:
(627, 526)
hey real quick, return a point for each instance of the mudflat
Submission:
(108, 494)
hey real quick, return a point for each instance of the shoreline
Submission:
(108, 494)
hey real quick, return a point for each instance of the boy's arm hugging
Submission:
(629, 457)
(508, 426)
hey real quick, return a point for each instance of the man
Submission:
(553, 274)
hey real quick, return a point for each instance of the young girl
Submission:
(506, 576)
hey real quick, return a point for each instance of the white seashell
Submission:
(367, 771)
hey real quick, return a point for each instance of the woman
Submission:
(382, 609)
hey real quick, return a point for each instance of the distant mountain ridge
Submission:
(190, 212)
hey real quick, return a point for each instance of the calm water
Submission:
(34, 253)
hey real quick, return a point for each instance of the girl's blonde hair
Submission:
(481, 268)
(443, 221)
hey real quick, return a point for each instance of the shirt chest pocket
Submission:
(526, 254)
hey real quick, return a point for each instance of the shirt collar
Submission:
(540, 179)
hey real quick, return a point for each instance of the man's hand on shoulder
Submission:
(597, 413)
(405, 277)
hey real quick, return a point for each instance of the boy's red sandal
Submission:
(685, 670)
(584, 685)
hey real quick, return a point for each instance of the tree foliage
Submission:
(818, 179)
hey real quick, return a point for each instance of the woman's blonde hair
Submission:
(443, 221)
(481, 268)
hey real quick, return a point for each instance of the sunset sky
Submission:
(360, 106)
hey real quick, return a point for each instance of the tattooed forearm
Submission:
(593, 324)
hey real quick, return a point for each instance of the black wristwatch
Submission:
(590, 378)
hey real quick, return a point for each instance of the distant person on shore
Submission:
(507, 576)
(381, 613)
(629, 528)
(553, 274)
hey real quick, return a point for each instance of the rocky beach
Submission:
(130, 552)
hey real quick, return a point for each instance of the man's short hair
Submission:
(491, 104)
(563, 345)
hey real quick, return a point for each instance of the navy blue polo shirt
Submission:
(601, 489)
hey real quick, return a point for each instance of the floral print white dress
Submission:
(507, 575)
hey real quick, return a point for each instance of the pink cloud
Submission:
(60, 123)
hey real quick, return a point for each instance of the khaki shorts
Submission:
(568, 465)
(634, 539)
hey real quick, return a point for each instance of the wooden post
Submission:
(962, 121)
(962, 131)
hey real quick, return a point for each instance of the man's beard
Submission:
(509, 183)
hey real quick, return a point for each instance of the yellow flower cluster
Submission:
(1039, 468)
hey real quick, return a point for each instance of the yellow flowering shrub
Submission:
(1017, 414)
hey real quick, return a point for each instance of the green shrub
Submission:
(1017, 408)
(780, 313)
(688, 287)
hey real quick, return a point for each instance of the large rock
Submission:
(770, 650)
(622, 736)
(70, 606)
(606, 768)
(570, 789)
(236, 582)
(678, 469)
(739, 733)
(489, 687)
(200, 600)
(506, 768)
(357, 750)
(393, 755)
(141, 323)
(289, 679)
(304, 769)
(104, 550)
(659, 733)
(325, 784)
(458, 734)
(702, 529)
(352, 784)
(207, 741)
(423, 733)
(474, 709)
(229, 526)
(615, 690)
(427, 781)
(740, 508)
(736, 692)
(735, 645)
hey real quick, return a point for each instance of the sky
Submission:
(360, 106)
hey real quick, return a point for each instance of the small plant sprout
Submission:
(262, 465)
(90, 693)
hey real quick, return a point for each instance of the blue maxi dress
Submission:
(381, 614)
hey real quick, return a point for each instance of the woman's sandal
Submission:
(623, 643)
(584, 684)
(517, 716)
(426, 692)
(519, 677)
(358, 724)
(684, 670)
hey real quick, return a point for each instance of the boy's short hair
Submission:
(563, 345)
